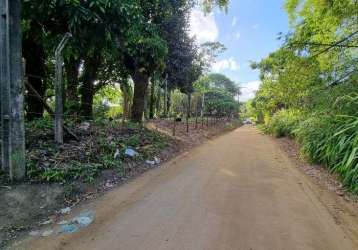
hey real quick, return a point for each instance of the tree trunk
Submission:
(125, 106)
(126, 99)
(34, 55)
(72, 73)
(87, 102)
(140, 90)
(91, 67)
(152, 100)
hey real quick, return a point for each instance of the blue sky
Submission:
(249, 31)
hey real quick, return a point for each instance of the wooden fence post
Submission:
(174, 125)
(196, 117)
(187, 124)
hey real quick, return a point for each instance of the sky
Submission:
(249, 31)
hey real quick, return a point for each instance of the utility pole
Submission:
(12, 89)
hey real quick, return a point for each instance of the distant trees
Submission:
(219, 94)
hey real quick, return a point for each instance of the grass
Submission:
(48, 162)
(332, 141)
(328, 137)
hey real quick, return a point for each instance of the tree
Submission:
(320, 24)
(209, 51)
(181, 48)
(45, 22)
(219, 92)
(220, 81)
(217, 81)
(155, 15)
(220, 103)
(38, 26)
(131, 32)
(208, 5)
(146, 60)
(142, 50)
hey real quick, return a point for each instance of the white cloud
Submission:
(237, 35)
(255, 26)
(234, 21)
(203, 27)
(248, 90)
(226, 64)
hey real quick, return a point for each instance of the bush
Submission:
(332, 140)
(312, 135)
(283, 122)
(40, 123)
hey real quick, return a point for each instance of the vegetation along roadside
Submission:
(309, 88)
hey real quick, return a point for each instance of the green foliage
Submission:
(284, 123)
(309, 88)
(95, 155)
(216, 81)
(179, 101)
(220, 102)
(208, 5)
(333, 141)
(41, 124)
(147, 48)
(219, 92)
(108, 102)
(111, 42)
(77, 171)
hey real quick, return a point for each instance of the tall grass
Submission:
(331, 138)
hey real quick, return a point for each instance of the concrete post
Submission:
(12, 89)
(59, 100)
(5, 88)
(59, 90)
(18, 166)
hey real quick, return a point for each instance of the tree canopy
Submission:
(112, 41)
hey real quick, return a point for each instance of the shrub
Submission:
(283, 122)
(40, 123)
(332, 140)
(312, 135)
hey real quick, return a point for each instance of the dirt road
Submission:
(238, 191)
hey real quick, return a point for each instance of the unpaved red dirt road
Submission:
(238, 191)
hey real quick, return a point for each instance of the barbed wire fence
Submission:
(185, 118)
(14, 81)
